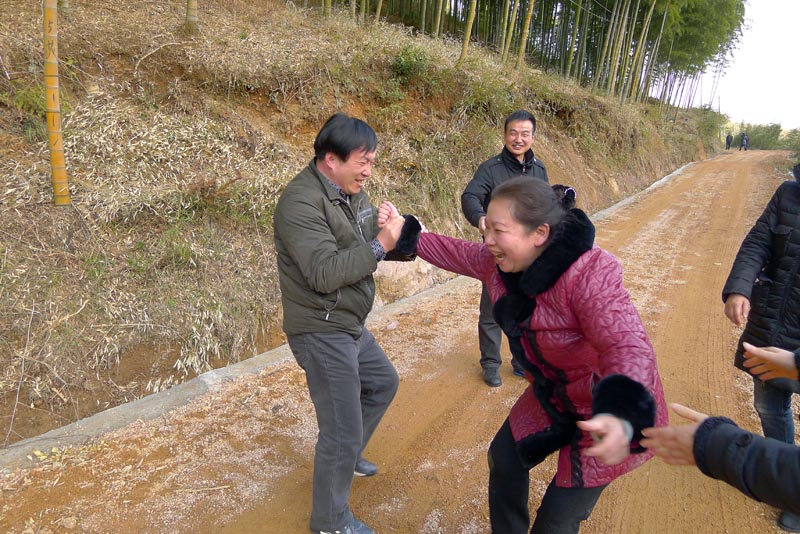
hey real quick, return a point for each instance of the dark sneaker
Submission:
(789, 521)
(517, 369)
(355, 527)
(491, 375)
(365, 468)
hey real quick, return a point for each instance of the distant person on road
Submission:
(516, 158)
(728, 141)
(764, 469)
(594, 382)
(329, 244)
(744, 141)
(762, 294)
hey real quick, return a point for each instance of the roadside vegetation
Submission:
(178, 141)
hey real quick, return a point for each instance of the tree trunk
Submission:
(510, 32)
(353, 9)
(617, 50)
(190, 24)
(601, 63)
(504, 25)
(378, 13)
(437, 32)
(627, 56)
(473, 7)
(524, 39)
(577, 22)
(581, 63)
(645, 87)
(638, 56)
(422, 17)
(58, 168)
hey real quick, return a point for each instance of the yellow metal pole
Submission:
(53, 107)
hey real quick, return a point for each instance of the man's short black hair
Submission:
(520, 115)
(342, 135)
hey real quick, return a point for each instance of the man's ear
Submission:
(330, 160)
(541, 234)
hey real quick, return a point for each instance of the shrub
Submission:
(410, 63)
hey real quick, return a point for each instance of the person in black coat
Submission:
(516, 158)
(762, 293)
(728, 141)
(764, 469)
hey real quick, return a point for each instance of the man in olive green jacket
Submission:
(329, 244)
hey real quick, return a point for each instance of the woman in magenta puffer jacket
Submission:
(593, 374)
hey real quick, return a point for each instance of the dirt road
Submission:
(239, 461)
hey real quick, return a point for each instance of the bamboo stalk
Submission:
(53, 105)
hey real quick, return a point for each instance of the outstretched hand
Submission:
(770, 362)
(675, 444)
(611, 444)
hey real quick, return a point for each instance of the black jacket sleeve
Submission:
(755, 251)
(476, 195)
(764, 469)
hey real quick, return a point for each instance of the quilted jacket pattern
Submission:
(586, 328)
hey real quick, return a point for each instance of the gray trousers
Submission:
(352, 383)
(489, 333)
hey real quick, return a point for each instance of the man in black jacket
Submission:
(762, 293)
(764, 469)
(515, 159)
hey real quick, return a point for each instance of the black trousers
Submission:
(561, 510)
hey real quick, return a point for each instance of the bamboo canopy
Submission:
(53, 106)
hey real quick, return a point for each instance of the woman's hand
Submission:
(386, 212)
(611, 444)
(770, 362)
(675, 444)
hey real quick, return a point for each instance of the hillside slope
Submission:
(177, 147)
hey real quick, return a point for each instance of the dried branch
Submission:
(136, 67)
(21, 377)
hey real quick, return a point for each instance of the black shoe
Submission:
(789, 521)
(491, 375)
(365, 468)
(517, 369)
(355, 527)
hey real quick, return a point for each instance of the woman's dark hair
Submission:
(566, 194)
(520, 115)
(533, 202)
(342, 135)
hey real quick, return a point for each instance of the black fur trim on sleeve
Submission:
(627, 399)
(406, 247)
(701, 436)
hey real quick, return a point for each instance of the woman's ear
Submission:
(541, 234)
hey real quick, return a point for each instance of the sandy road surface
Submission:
(239, 460)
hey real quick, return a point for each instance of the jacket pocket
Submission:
(760, 293)
(330, 302)
(780, 240)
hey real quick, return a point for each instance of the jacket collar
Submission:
(511, 161)
(571, 240)
(333, 192)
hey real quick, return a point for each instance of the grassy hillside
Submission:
(177, 146)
